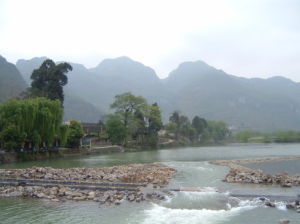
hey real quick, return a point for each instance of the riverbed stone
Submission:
(79, 198)
(270, 204)
(284, 221)
(41, 195)
(91, 195)
(155, 173)
(286, 185)
(131, 197)
(290, 206)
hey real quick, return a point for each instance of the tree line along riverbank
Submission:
(32, 127)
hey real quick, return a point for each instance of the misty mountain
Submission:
(265, 104)
(75, 107)
(27, 66)
(11, 81)
(119, 75)
(194, 88)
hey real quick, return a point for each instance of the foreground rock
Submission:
(241, 174)
(284, 221)
(155, 174)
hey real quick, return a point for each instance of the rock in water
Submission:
(284, 221)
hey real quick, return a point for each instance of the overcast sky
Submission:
(251, 38)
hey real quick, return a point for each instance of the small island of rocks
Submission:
(109, 185)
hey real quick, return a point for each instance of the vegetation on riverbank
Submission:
(33, 124)
(134, 121)
(252, 136)
(197, 132)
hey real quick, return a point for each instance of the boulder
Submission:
(286, 184)
(283, 221)
(91, 195)
(270, 204)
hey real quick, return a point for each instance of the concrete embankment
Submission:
(104, 185)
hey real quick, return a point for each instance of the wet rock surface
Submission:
(241, 174)
(156, 174)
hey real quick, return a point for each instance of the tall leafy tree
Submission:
(175, 119)
(155, 122)
(140, 121)
(128, 107)
(217, 130)
(75, 133)
(31, 121)
(199, 124)
(115, 130)
(48, 80)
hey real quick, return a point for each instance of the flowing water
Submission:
(194, 170)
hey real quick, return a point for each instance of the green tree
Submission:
(63, 134)
(75, 133)
(31, 122)
(199, 124)
(217, 131)
(129, 108)
(12, 137)
(154, 120)
(175, 118)
(154, 125)
(141, 121)
(48, 80)
(171, 127)
(181, 126)
(115, 129)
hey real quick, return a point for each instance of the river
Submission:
(194, 170)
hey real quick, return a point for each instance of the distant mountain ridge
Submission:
(194, 88)
(265, 104)
(11, 81)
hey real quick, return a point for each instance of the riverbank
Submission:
(12, 157)
(105, 185)
(239, 173)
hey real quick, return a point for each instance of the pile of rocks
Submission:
(295, 205)
(242, 174)
(155, 174)
(237, 175)
(62, 193)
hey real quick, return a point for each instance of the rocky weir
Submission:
(110, 185)
(239, 173)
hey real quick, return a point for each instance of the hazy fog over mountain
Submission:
(194, 88)
(196, 95)
(11, 81)
(249, 38)
(174, 51)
